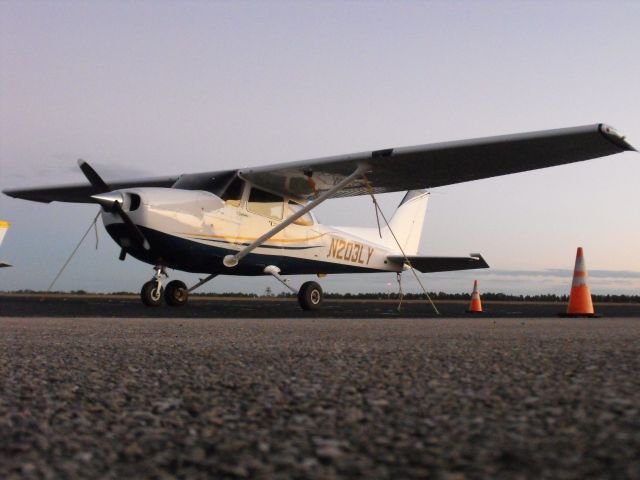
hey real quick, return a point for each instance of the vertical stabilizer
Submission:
(407, 222)
(4, 226)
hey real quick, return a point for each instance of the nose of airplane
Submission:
(109, 199)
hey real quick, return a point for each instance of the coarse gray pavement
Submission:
(319, 398)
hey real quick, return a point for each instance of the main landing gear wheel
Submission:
(310, 296)
(176, 293)
(151, 293)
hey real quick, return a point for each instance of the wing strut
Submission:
(233, 260)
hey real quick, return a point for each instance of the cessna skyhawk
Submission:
(259, 221)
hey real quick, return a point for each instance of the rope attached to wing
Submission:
(406, 259)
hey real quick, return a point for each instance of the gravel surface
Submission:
(318, 398)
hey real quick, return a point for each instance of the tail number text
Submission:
(350, 251)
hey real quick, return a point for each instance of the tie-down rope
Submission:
(93, 224)
(406, 259)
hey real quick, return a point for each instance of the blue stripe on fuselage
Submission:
(195, 257)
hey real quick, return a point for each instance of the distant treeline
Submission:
(490, 296)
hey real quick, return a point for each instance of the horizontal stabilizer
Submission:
(442, 264)
(4, 264)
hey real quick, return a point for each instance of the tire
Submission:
(310, 296)
(176, 293)
(150, 294)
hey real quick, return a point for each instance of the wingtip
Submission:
(616, 137)
(10, 192)
(480, 259)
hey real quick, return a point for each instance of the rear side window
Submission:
(305, 220)
(265, 203)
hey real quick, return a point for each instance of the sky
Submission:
(151, 88)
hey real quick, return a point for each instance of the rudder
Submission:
(4, 226)
(407, 222)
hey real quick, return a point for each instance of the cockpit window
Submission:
(233, 194)
(265, 203)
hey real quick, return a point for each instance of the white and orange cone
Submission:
(476, 305)
(580, 304)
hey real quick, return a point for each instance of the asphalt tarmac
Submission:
(130, 306)
(319, 398)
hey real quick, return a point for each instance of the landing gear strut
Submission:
(310, 293)
(151, 292)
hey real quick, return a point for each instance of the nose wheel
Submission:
(151, 293)
(175, 293)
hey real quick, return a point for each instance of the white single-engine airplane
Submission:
(259, 221)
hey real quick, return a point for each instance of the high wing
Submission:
(438, 164)
(388, 170)
(442, 264)
(214, 182)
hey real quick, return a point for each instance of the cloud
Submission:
(564, 273)
(550, 274)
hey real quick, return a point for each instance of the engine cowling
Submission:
(163, 209)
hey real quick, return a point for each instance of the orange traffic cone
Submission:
(475, 306)
(580, 304)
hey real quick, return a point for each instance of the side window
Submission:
(265, 203)
(233, 194)
(305, 220)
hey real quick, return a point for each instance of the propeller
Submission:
(112, 202)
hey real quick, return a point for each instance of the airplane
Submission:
(260, 221)
(4, 226)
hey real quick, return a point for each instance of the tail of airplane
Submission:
(407, 222)
(4, 226)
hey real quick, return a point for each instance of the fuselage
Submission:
(193, 231)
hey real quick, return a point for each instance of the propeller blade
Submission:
(135, 232)
(93, 177)
(112, 202)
